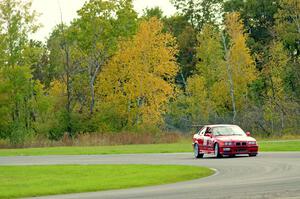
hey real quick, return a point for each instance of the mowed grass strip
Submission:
(264, 146)
(101, 150)
(279, 146)
(30, 181)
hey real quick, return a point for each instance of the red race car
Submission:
(223, 139)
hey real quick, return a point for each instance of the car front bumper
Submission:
(233, 150)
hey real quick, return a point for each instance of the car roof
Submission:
(218, 125)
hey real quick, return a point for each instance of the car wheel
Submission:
(196, 152)
(217, 151)
(252, 154)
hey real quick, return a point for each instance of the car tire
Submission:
(217, 151)
(253, 154)
(196, 152)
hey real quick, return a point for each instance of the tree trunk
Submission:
(69, 90)
(93, 77)
(67, 68)
(92, 89)
(183, 79)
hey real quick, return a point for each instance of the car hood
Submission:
(235, 138)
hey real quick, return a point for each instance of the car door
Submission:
(200, 138)
(207, 140)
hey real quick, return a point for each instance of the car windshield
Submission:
(227, 130)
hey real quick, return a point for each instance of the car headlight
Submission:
(252, 143)
(227, 143)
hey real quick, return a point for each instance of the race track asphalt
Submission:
(269, 175)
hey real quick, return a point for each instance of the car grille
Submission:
(241, 150)
(241, 143)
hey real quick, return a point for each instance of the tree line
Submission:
(113, 70)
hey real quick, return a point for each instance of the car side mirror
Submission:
(208, 135)
(248, 133)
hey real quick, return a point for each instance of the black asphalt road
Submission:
(269, 175)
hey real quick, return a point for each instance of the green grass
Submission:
(130, 149)
(119, 149)
(270, 146)
(30, 181)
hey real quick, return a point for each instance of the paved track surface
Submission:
(269, 175)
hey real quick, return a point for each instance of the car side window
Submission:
(208, 130)
(202, 131)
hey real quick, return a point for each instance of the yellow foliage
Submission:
(220, 76)
(274, 70)
(210, 54)
(241, 63)
(58, 93)
(212, 69)
(139, 79)
(197, 99)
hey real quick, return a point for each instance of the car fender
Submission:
(195, 142)
(215, 142)
(196, 139)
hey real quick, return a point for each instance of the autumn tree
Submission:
(198, 101)
(224, 71)
(240, 67)
(210, 63)
(210, 54)
(97, 31)
(276, 105)
(139, 80)
(68, 75)
(258, 18)
(79, 51)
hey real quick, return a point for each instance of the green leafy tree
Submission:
(288, 31)
(288, 24)
(259, 21)
(210, 66)
(17, 21)
(210, 55)
(186, 39)
(258, 18)
(79, 51)
(98, 29)
(157, 12)
(36, 56)
(280, 107)
(200, 12)
(18, 97)
(66, 59)
(18, 89)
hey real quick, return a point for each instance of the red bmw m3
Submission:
(223, 139)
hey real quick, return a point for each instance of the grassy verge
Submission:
(103, 150)
(270, 146)
(132, 149)
(29, 181)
